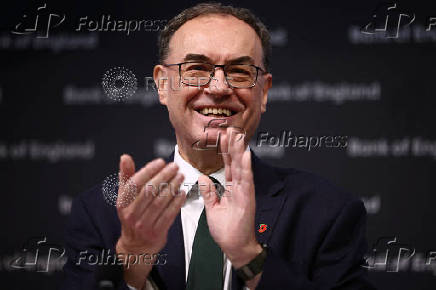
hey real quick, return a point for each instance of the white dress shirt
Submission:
(192, 209)
(190, 214)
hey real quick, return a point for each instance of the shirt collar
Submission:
(192, 174)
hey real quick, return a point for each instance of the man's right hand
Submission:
(155, 203)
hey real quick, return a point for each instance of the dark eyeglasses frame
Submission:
(213, 72)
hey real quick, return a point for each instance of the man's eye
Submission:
(198, 67)
(239, 71)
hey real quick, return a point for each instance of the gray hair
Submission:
(214, 8)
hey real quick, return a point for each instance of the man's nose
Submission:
(218, 84)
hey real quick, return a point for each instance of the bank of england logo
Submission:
(119, 83)
(388, 19)
(39, 24)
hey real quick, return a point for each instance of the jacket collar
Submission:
(269, 201)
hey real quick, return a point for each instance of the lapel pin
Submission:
(262, 228)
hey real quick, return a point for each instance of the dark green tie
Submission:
(207, 261)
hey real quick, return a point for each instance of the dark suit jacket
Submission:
(315, 233)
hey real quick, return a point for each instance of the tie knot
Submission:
(218, 187)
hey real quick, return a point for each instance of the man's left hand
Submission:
(231, 218)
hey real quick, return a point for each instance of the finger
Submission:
(163, 177)
(147, 172)
(166, 219)
(149, 191)
(246, 172)
(208, 191)
(247, 183)
(226, 155)
(161, 201)
(127, 167)
(236, 150)
(127, 170)
(128, 193)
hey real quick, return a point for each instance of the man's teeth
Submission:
(216, 111)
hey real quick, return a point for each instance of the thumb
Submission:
(207, 190)
(127, 168)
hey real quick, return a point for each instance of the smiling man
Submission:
(237, 222)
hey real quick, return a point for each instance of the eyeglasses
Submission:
(200, 73)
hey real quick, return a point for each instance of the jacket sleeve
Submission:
(84, 247)
(337, 264)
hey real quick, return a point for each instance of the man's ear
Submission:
(161, 81)
(266, 86)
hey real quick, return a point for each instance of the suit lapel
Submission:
(172, 274)
(268, 200)
(268, 205)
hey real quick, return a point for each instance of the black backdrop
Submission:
(60, 134)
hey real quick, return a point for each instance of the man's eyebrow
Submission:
(203, 58)
(196, 57)
(240, 60)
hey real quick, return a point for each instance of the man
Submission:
(270, 228)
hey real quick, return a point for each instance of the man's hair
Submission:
(214, 8)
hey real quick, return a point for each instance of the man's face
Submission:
(216, 39)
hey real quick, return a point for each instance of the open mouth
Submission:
(216, 112)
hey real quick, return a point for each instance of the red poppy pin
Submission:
(262, 228)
